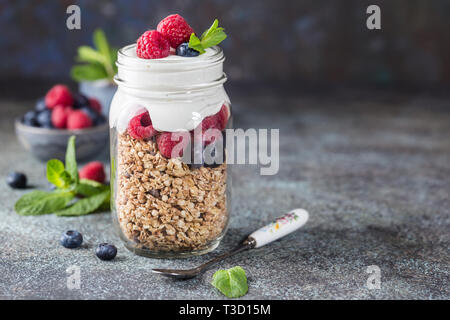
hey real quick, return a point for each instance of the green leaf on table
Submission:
(231, 282)
(88, 72)
(57, 175)
(42, 202)
(89, 188)
(71, 159)
(85, 206)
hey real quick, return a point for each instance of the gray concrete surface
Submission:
(373, 170)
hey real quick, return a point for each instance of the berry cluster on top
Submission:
(174, 32)
(140, 127)
(62, 109)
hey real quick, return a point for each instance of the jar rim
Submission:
(172, 74)
(127, 60)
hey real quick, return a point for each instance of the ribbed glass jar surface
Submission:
(171, 186)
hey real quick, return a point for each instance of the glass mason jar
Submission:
(170, 183)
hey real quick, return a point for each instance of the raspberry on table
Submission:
(167, 141)
(140, 126)
(59, 116)
(152, 45)
(175, 29)
(93, 171)
(58, 94)
(77, 119)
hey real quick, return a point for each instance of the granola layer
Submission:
(164, 205)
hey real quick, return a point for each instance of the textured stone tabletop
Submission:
(373, 171)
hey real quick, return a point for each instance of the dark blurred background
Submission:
(287, 43)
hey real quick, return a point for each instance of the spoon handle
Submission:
(245, 245)
(281, 227)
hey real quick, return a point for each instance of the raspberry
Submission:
(140, 127)
(94, 104)
(166, 143)
(152, 45)
(59, 116)
(222, 117)
(175, 29)
(59, 94)
(78, 120)
(216, 121)
(93, 171)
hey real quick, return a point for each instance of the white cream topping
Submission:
(178, 92)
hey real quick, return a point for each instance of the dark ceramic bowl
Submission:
(47, 144)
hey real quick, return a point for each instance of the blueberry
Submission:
(40, 105)
(91, 113)
(184, 51)
(44, 119)
(100, 120)
(79, 101)
(106, 251)
(71, 239)
(29, 118)
(17, 180)
(210, 157)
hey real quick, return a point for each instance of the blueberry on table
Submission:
(40, 105)
(44, 119)
(71, 239)
(106, 251)
(184, 51)
(17, 180)
(29, 119)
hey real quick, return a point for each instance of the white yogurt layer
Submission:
(178, 92)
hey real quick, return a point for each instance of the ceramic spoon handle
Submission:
(281, 227)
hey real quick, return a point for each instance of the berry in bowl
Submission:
(61, 113)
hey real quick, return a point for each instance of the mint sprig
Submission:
(211, 37)
(231, 282)
(89, 196)
(98, 62)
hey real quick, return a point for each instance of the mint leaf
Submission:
(231, 282)
(100, 60)
(88, 54)
(195, 43)
(89, 188)
(101, 43)
(211, 37)
(211, 29)
(57, 175)
(88, 72)
(86, 205)
(42, 202)
(71, 160)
